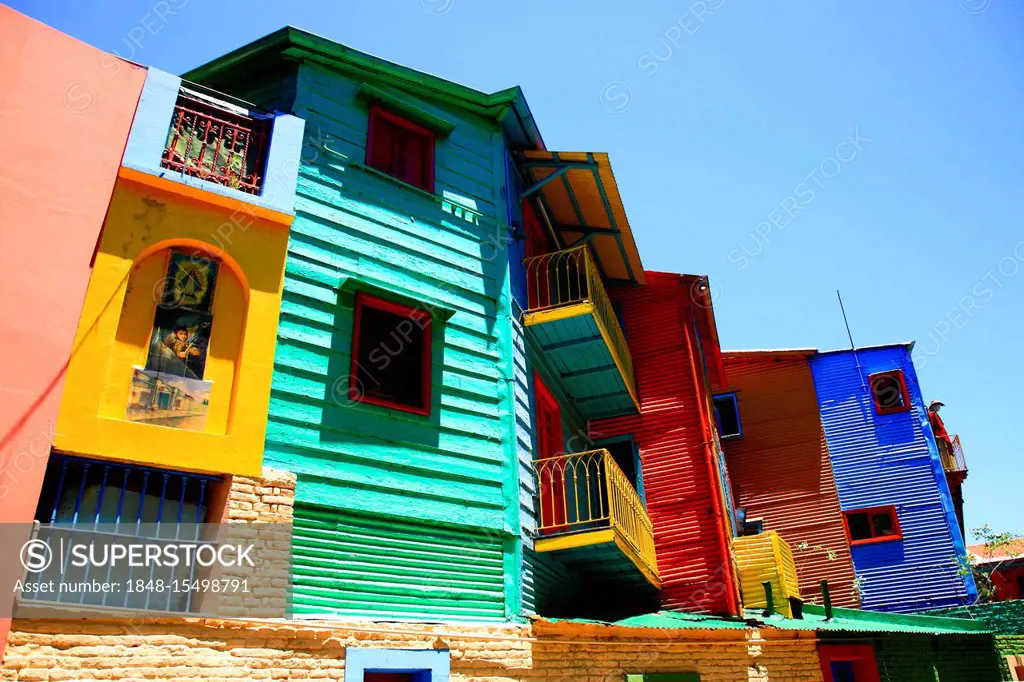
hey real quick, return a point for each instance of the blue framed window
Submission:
(727, 413)
(396, 665)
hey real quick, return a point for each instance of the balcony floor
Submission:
(602, 555)
(578, 349)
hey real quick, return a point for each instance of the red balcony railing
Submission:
(219, 144)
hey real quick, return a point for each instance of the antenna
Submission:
(849, 335)
(845, 321)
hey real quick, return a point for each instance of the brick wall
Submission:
(219, 650)
(921, 658)
(1005, 618)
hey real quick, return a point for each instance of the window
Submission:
(728, 415)
(889, 392)
(396, 665)
(102, 500)
(400, 148)
(848, 663)
(877, 524)
(391, 356)
(217, 143)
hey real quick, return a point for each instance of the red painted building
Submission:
(670, 328)
(1004, 565)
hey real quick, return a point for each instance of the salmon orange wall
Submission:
(65, 112)
(148, 216)
(780, 467)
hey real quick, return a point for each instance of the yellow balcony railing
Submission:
(568, 278)
(587, 491)
(953, 460)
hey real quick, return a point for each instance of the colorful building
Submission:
(908, 553)
(1003, 566)
(778, 460)
(585, 526)
(393, 379)
(371, 304)
(670, 328)
(167, 380)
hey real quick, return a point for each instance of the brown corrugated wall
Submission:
(780, 467)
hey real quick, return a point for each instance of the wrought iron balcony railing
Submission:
(953, 461)
(569, 277)
(219, 143)
(588, 491)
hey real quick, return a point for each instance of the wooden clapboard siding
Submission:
(398, 515)
(673, 450)
(780, 468)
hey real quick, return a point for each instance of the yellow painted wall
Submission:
(147, 217)
(762, 557)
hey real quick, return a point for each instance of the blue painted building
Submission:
(897, 509)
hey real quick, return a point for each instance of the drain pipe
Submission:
(732, 600)
(827, 598)
(769, 599)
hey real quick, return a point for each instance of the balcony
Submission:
(572, 320)
(593, 517)
(953, 461)
(766, 557)
(217, 142)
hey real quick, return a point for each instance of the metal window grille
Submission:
(217, 143)
(97, 502)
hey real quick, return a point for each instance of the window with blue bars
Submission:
(97, 502)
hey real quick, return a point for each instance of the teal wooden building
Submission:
(437, 339)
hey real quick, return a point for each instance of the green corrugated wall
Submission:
(397, 514)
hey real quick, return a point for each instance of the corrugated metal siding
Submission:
(352, 565)
(766, 558)
(455, 467)
(672, 451)
(887, 459)
(781, 472)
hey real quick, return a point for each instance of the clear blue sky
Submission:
(723, 130)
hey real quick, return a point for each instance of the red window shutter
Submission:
(401, 149)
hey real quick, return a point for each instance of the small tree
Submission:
(994, 544)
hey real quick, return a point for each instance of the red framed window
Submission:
(391, 355)
(848, 663)
(400, 148)
(876, 524)
(889, 392)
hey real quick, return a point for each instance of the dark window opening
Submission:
(391, 359)
(872, 525)
(843, 671)
(889, 392)
(623, 452)
(728, 415)
(401, 149)
(619, 315)
(395, 677)
(96, 502)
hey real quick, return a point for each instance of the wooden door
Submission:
(550, 472)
